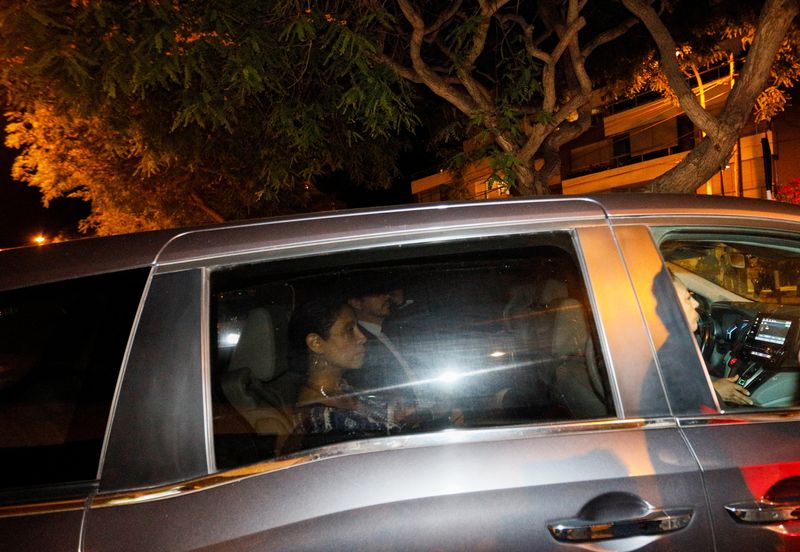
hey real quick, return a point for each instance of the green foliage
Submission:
(710, 37)
(461, 36)
(232, 105)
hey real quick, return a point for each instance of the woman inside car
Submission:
(327, 344)
(727, 388)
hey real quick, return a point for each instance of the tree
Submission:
(767, 38)
(521, 74)
(185, 112)
(516, 72)
(165, 114)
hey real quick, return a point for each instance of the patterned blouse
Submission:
(321, 424)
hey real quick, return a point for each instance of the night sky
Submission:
(22, 215)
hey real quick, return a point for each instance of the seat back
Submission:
(253, 360)
(529, 315)
(253, 385)
(570, 331)
(578, 377)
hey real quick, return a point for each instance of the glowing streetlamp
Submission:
(39, 240)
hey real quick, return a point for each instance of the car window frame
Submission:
(596, 231)
(660, 229)
(592, 238)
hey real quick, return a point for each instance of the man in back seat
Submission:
(386, 370)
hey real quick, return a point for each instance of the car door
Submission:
(61, 349)
(547, 423)
(749, 456)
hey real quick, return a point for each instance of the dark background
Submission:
(22, 215)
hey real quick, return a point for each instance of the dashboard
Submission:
(758, 342)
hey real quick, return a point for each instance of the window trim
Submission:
(377, 445)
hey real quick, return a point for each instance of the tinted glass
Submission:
(61, 348)
(318, 351)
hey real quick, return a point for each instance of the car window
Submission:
(61, 348)
(322, 350)
(745, 271)
(746, 287)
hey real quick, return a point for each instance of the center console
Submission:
(762, 347)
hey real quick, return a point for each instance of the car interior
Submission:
(747, 288)
(503, 337)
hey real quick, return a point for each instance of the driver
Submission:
(726, 388)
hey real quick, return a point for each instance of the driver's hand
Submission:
(732, 392)
(400, 412)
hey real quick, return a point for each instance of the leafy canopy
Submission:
(166, 113)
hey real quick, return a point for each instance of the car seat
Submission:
(251, 383)
(528, 314)
(530, 318)
(578, 380)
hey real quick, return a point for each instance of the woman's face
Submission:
(688, 303)
(344, 347)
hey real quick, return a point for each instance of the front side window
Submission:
(61, 348)
(318, 351)
(745, 291)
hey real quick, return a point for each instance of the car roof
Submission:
(21, 267)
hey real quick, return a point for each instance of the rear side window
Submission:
(61, 348)
(321, 350)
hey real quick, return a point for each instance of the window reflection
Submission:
(497, 332)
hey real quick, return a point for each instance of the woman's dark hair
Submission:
(315, 316)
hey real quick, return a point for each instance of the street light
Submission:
(39, 240)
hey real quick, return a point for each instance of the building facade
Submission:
(631, 143)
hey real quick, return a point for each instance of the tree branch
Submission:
(774, 22)
(402, 70)
(608, 35)
(461, 101)
(542, 130)
(200, 204)
(666, 46)
(705, 159)
(527, 35)
(433, 30)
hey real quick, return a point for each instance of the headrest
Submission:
(256, 347)
(570, 331)
(522, 298)
(552, 290)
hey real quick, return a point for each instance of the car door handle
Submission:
(764, 511)
(651, 523)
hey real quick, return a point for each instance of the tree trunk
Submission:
(715, 149)
(699, 166)
(527, 183)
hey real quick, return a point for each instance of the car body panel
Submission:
(52, 531)
(493, 489)
(746, 458)
(678, 366)
(637, 387)
(351, 228)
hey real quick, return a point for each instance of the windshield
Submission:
(766, 275)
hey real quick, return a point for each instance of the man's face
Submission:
(372, 308)
(688, 303)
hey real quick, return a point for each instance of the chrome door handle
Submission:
(764, 511)
(652, 523)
